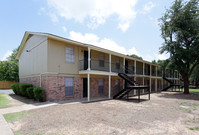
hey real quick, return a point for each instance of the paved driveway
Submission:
(6, 91)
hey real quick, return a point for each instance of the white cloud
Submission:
(64, 28)
(53, 17)
(133, 51)
(95, 12)
(162, 56)
(103, 43)
(147, 7)
(7, 54)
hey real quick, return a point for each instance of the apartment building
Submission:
(68, 69)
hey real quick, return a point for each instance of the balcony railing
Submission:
(99, 65)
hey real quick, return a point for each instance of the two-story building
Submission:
(68, 69)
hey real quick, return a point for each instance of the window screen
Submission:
(69, 87)
(69, 54)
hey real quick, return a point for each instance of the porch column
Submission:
(123, 72)
(135, 67)
(143, 84)
(156, 71)
(88, 87)
(89, 58)
(110, 63)
(156, 85)
(135, 73)
(150, 78)
(109, 87)
(143, 68)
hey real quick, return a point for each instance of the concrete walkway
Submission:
(7, 91)
(4, 127)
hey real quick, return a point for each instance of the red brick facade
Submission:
(54, 87)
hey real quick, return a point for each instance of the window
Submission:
(117, 85)
(101, 86)
(117, 63)
(101, 60)
(69, 54)
(69, 87)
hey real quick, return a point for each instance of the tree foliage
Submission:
(135, 56)
(9, 71)
(180, 31)
(12, 57)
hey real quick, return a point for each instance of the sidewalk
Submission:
(4, 127)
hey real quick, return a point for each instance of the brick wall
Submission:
(54, 87)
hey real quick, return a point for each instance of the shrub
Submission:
(15, 88)
(39, 93)
(30, 92)
(23, 87)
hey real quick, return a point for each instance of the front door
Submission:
(85, 84)
(85, 60)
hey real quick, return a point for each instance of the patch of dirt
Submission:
(163, 114)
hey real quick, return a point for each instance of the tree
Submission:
(12, 57)
(9, 71)
(180, 31)
(135, 56)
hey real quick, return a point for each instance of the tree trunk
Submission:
(186, 84)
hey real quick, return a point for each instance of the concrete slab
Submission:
(4, 127)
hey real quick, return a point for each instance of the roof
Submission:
(55, 37)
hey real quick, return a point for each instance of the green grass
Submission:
(15, 116)
(194, 128)
(4, 102)
(194, 90)
(18, 133)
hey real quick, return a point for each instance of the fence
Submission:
(6, 84)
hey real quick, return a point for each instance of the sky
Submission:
(124, 26)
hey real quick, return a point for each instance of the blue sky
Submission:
(125, 26)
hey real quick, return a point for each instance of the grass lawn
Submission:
(194, 90)
(4, 101)
(15, 116)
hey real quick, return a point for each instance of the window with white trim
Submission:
(69, 54)
(69, 87)
(101, 60)
(100, 86)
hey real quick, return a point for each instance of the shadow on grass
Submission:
(22, 99)
(179, 95)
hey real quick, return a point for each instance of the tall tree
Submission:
(180, 31)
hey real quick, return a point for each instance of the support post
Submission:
(110, 63)
(89, 58)
(156, 85)
(88, 87)
(150, 79)
(135, 67)
(124, 72)
(109, 87)
(156, 69)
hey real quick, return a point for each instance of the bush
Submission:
(30, 92)
(15, 88)
(23, 87)
(39, 93)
